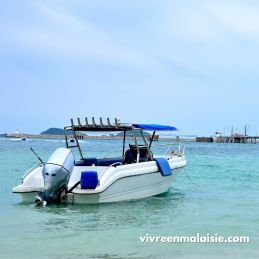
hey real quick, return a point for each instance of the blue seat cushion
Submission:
(89, 179)
(97, 162)
(87, 161)
(109, 161)
(163, 166)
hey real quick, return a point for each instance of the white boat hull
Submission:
(120, 183)
(128, 188)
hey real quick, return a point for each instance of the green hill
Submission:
(58, 131)
(53, 131)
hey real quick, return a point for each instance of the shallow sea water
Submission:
(221, 197)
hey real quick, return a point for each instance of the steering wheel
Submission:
(116, 163)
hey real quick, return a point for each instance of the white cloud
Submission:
(188, 41)
(242, 18)
(60, 32)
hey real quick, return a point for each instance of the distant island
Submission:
(53, 131)
(57, 131)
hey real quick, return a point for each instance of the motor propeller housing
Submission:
(56, 174)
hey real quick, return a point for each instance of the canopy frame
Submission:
(116, 126)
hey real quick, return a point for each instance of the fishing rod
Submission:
(37, 155)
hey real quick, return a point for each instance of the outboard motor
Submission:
(56, 173)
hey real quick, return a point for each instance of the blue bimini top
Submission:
(154, 127)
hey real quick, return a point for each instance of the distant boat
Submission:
(23, 138)
(71, 140)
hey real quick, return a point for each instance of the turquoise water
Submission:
(222, 198)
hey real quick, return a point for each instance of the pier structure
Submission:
(237, 139)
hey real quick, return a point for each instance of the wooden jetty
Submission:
(237, 139)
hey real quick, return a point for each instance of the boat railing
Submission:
(30, 170)
(172, 149)
(114, 164)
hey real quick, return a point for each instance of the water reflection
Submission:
(120, 215)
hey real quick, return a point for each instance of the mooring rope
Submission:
(189, 178)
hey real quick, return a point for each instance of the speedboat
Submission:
(137, 173)
(71, 140)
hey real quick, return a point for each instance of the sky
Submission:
(190, 64)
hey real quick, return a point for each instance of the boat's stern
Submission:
(48, 181)
(32, 183)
